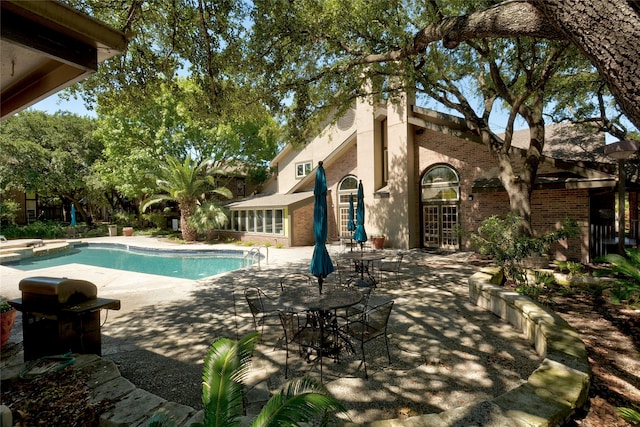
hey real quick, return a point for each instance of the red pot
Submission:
(7, 319)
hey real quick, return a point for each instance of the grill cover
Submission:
(53, 293)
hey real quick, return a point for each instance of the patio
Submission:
(446, 352)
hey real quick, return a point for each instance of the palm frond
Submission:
(154, 199)
(304, 399)
(225, 369)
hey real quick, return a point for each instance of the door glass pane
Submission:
(430, 226)
(449, 227)
(344, 221)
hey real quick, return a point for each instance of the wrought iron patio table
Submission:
(321, 308)
(364, 263)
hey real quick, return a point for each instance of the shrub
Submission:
(8, 211)
(503, 241)
(35, 230)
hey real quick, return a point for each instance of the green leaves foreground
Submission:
(226, 366)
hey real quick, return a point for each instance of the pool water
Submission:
(182, 264)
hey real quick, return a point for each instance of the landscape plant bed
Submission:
(60, 398)
(611, 333)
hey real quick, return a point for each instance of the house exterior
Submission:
(428, 182)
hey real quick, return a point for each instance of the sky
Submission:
(54, 104)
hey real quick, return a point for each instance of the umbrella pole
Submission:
(320, 283)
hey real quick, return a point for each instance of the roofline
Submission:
(327, 162)
(53, 14)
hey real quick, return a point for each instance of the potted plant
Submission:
(7, 319)
(378, 241)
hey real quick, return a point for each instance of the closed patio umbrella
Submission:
(321, 265)
(73, 215)
(360, 235)
(351, 225)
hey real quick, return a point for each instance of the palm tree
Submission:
(185, 182)
(225, 370)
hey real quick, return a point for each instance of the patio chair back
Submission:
(373, 324)
(299, 332)
(393, 267)
(259, 307)
(295, 280)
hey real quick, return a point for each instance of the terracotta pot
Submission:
(378, 242)
(7, 319)
(127, 231)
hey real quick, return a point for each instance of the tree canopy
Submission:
(51, 155)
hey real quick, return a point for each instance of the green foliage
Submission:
(627, 269)
(8, 211)
(632, 415)
(224, 374)
(4, 305)
(571, 267)
(185, 181)
(502, 239)
(35, 230)
(48, 154)
(124, 219)
(158, 219)
(540, 289)
(208, 216)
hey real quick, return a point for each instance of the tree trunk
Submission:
(189, 234)
(608, 33)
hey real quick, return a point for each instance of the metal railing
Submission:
(255, 255)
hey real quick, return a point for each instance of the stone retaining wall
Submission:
(551, 394)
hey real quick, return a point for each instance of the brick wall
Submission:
(303, 226)
(472, 161)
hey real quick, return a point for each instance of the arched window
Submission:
(348, 186)
(440, 184)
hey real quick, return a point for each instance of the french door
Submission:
(439, 226)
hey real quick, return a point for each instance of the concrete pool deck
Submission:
(446, 353)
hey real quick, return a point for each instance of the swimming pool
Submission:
(186, 264)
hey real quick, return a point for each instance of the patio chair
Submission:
(300, 332)
(392, 267)
(296, 280)
(372, 325)
(261, 307)
(354, 312)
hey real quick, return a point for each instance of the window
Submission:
(348, 186)
(240, 187)
(268, 221)
(303, 169)
(440, 183)
(278, 222)
(251, 221)
(263, 221)
(259, 221)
